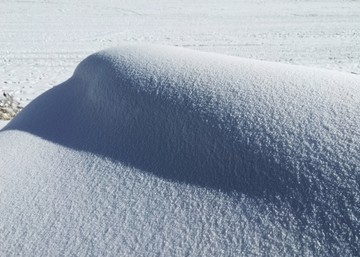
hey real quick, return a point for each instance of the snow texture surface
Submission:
(154, 150)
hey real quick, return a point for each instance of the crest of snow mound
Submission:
(287, 135)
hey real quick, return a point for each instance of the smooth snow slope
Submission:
(154, 150)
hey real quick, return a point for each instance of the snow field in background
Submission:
(41, 42)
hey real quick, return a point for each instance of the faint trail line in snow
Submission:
(126, 11)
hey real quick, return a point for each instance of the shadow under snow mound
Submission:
(227, 123)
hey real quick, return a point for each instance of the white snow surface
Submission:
(163, 151)
(42, 41)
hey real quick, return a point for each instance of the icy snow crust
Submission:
(153, 150)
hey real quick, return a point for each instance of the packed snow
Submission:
(154, 150)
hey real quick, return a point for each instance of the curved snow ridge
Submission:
(222, 122)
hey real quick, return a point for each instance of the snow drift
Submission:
(152, 150)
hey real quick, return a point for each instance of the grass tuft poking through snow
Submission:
(9, 107)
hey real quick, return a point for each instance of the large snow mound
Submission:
(153, 150)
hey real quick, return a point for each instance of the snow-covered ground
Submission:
(161, 151)
(41, 42)
(3, 123)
